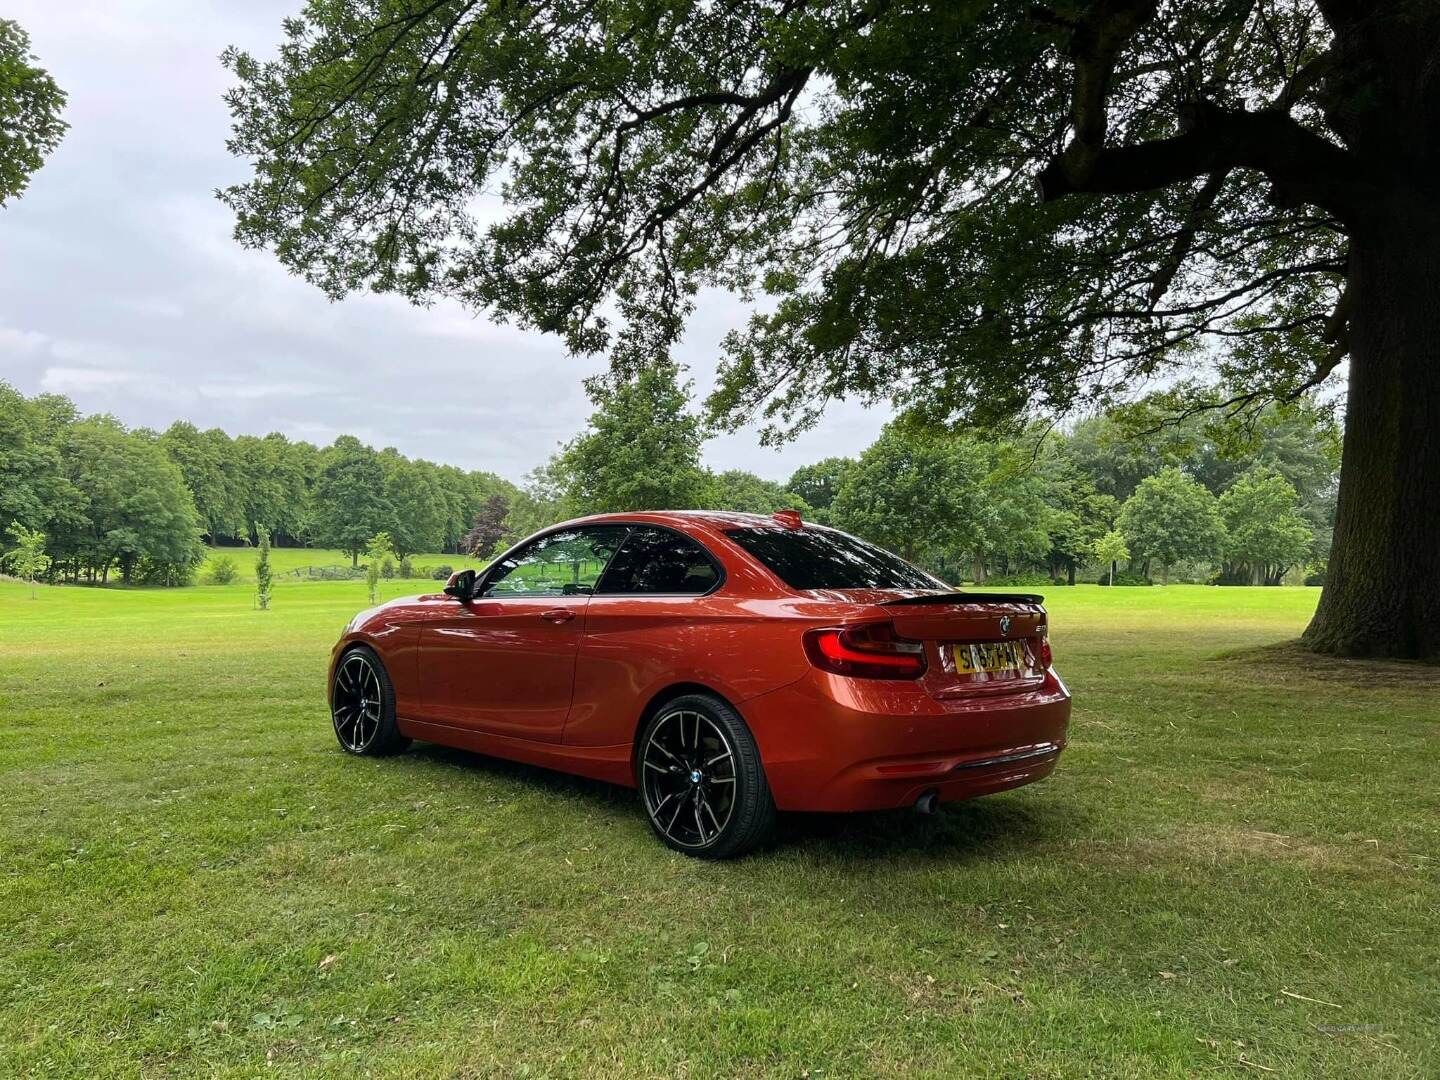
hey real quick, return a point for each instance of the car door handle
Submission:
(557, 615)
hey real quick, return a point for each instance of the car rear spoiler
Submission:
(967, 598)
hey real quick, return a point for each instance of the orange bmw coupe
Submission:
(725, 665)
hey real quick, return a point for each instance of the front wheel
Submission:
(701, 779)
(362, 706)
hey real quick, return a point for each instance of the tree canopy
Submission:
(873, 165)
(1171, 517)
(1265, 533)
(132, 508)
(641, 450)
(915, 493)
(818, 484)
(973, 210)
(737, 489)
(350, 493)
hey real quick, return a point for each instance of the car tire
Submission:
(362, 706)
(702, 783)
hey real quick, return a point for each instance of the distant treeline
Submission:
(142, 504)
(1233, 503)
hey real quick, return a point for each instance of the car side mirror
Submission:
(461, 585)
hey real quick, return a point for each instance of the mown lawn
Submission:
(1233, 872)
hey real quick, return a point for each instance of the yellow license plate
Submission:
(988, 656)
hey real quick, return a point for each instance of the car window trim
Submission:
(484, 582)
(715, 564)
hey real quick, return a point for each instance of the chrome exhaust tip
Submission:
(928, 803)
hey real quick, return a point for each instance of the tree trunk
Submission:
(1070, 571)
(1382, 587)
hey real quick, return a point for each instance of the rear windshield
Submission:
(816, 559)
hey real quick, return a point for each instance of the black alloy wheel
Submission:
(362, 706)
(701, 779)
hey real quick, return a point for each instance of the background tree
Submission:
(641, 450)
(133, 509)
(1265, 534)
(27, 559)
(1013, 523)
(737, 489)
(1079, 514)
(412, 488)
(1111, 549)
(275, 486)
(350, 503)
(1169, 518)
(488, 528)
(480, 487)
(982, 208)
(30, 108)
(300, 462)
(378, 551)
(818, 484)
(263, 577)
(542, 499)
(1115, 457)
(205, 461)
(33, 488)
(915, 493)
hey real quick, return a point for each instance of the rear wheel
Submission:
(362, 706)
(701, 780)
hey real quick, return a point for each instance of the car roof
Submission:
(715, 519)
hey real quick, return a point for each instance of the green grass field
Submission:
(1233, 872)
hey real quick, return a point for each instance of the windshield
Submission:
(824, 559)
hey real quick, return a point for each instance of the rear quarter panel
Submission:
(634, 647)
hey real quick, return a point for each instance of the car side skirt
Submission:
(611, 764)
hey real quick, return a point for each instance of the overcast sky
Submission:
(120, 285)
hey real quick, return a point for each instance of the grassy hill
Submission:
(1234, 872)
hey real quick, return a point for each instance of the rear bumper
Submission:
(836, 744)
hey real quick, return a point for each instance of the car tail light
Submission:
(1045, 654)
(869, 651)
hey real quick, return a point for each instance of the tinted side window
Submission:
(659, 561)
(564, 563)
(825, 559)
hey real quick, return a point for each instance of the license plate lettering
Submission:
(987, 656)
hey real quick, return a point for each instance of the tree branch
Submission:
(1202, 205)
(1303, 165)
(1095, 46)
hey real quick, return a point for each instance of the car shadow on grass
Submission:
(994, 827)
(522, 777)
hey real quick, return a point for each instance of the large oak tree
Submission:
(970, 208)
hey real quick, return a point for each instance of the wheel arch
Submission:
(663, 697)
(344, 649)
